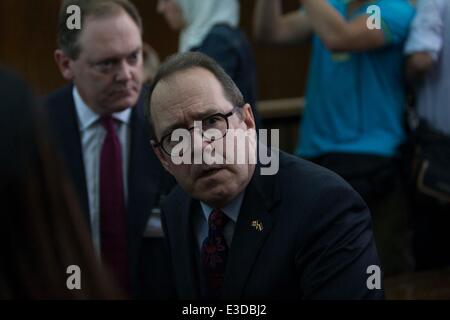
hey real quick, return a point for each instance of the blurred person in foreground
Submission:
(42, 231)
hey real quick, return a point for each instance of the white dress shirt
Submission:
(92, 134)
(430, 32)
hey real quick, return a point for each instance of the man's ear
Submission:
(64, 64)
(248, 119)
(161, 156)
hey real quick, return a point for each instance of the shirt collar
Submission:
(231, 210)
(88, 117)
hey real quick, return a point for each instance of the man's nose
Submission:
(124, 72)
(198, 142)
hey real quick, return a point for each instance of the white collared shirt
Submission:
(92, 134)
(231, 210)
(430, 32)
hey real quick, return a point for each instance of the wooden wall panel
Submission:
(28, 32)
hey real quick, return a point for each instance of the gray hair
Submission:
(189, 60)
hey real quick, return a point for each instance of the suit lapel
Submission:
(143, 178)
(66, 123)
(144, 183)
(185, 262)
(252, 228)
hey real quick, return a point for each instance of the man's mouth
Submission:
(124, 92)
(209, 171)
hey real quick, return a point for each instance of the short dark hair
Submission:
(190, 60)
(68, 39)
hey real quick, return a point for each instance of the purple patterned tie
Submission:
(214, 253)
(112, 205)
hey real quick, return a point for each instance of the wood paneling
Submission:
(28, 33)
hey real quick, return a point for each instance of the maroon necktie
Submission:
(214, 253)
(112, 206)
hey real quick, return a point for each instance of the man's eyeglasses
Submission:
(218, 122)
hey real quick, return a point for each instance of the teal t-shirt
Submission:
(355, 101)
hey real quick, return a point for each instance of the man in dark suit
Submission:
(103, 137)
(236, 231)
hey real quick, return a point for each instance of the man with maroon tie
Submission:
(99, 121)
(235, 230)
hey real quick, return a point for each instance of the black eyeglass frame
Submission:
(159, 144)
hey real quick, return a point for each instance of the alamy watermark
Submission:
(237, 146)
(73, 281)
(374, 280)
(374, 19)
(73, 22)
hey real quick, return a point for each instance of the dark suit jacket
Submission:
(147, 181)
(316, 240)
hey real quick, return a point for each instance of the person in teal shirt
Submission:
(355, 101)
(354, 98)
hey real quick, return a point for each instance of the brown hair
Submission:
(68, 39)
(189, 60)
(42, 230)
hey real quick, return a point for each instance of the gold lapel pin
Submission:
(257, 225)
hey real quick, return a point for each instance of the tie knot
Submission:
(217, 219)
(108, 123)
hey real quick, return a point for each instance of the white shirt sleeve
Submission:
(426, 34)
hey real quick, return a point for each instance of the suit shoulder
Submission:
(58, 98)
(315, 189)
(308, 175)
(323, 196)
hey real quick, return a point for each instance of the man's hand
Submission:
(417, 65)
(338, 34)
